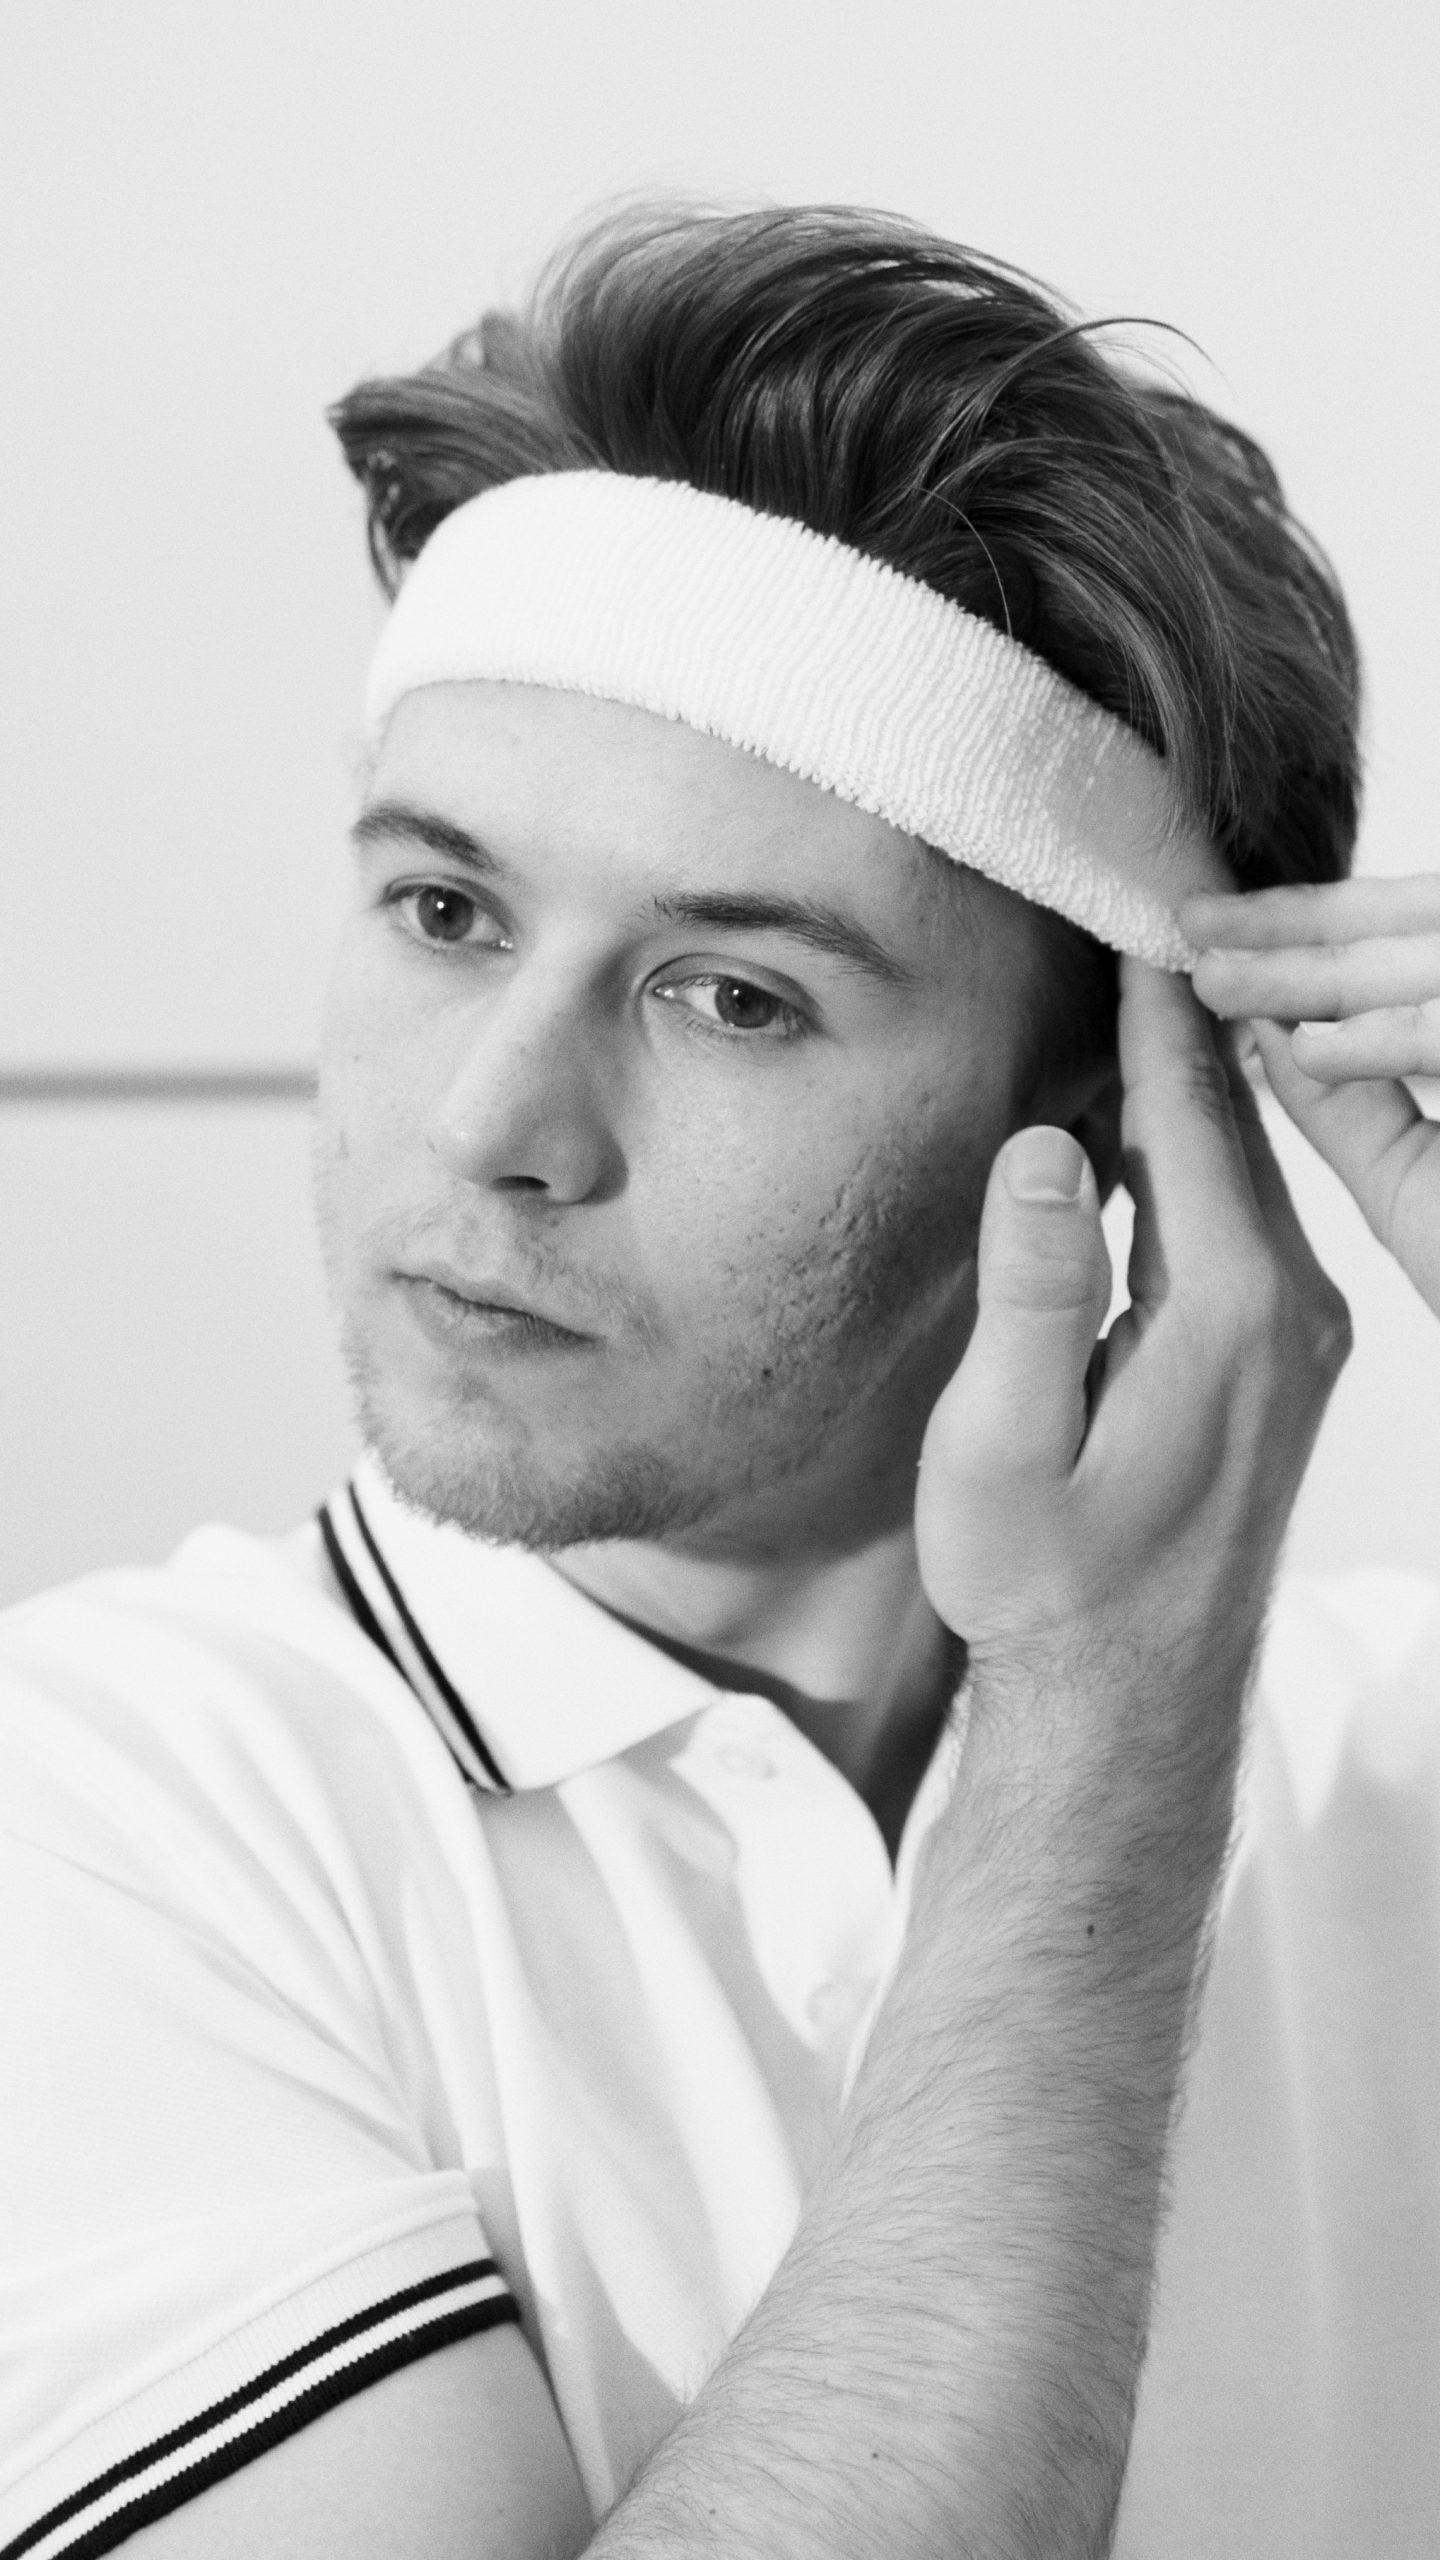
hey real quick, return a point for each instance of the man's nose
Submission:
(525, 1104)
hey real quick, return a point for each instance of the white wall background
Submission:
(214, 218)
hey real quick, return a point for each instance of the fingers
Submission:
(1016, 1405)
(1272, 1195)
(1322, 979)
(1385, 1151)
(1000, 1450)
(1037, 1496)
(1395, 1041)
(1364, 954)
(1185, 1162)
(1320, 911)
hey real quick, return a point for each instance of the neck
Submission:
(846, 1645)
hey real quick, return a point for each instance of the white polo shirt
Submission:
(396, 1943)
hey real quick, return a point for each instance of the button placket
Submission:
(741, 1760)
(812, 1877)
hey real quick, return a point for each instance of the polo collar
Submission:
(527, 1679)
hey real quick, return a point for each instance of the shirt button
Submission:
(737, 1762)
(833, 2009)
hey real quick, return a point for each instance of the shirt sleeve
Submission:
(223, 2208)
(1350, 1689)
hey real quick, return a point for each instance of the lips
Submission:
(492, 1297)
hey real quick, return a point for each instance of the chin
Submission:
(588, 1498)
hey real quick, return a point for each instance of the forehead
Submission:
(555, 782)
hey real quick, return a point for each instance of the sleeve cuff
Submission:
(222, 2408)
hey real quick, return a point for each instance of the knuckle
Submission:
(1050, 1281)
(1221, 980)
(1331, 1333)
(1286, 1322)
(1203, 1084)
(1299, 902)
(1214, 1089)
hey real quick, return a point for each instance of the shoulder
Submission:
(232, 1904)
(225, 1593)
(235, 1634)
(216, 1732)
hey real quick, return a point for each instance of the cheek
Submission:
(379, 1031)
(796, 1241)
(898, 1232)
(360, 1117)
(335, 1181)
(721, 1197)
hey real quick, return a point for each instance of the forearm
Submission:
(946, 2361)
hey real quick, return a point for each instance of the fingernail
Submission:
(1044, 1164)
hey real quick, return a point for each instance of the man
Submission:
(545, 2022)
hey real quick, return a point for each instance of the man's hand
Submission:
(1342, 984)
(1135, 1495)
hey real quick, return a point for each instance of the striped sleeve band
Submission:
(245, 2422)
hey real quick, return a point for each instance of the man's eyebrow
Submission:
(807, 919)
(399, 822)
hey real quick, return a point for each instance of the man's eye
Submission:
(437, 914)
(735, 1005)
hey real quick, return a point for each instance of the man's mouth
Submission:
(476, 1307)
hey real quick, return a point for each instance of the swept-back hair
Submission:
(941, 411)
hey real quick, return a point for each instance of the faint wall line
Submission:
(20, 1085)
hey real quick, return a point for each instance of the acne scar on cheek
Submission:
(896, 1229)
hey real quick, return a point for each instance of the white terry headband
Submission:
(811, 655)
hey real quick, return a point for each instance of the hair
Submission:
(942, 412)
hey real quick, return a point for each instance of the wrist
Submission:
(1121, 1712)
(1088, 1826)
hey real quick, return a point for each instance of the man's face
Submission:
(700, 1069)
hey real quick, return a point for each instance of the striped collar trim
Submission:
(526, 1679)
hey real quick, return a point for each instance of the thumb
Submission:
(1003, 1439)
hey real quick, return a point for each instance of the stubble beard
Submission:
(755, 1422)
(457, 1475)
(744, 1440)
